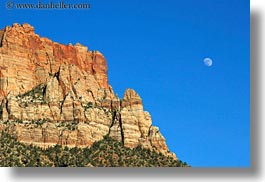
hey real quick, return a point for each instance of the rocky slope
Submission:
(59, 94)
(104, 153)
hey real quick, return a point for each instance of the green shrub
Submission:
(88, 105)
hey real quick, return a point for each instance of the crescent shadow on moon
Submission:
(208, 62)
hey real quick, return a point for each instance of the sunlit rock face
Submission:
(52, 93)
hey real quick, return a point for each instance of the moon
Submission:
(208, 62)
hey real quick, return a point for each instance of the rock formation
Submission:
(59, 94)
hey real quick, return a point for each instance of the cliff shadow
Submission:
(194, 173)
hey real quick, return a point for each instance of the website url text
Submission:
(10, 4)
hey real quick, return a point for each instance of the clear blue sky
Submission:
(157, 48)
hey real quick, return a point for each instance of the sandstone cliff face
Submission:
(59, 94)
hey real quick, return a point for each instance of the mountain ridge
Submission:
(54, 94)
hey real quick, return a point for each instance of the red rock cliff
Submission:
(59, 94)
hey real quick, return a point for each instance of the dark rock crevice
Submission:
(57, 75)
(44, 91)
(122, 133)
(49, 62)
(114, 114)
(61, 106)
(2, 32)
(8, 111)
(1, 111)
